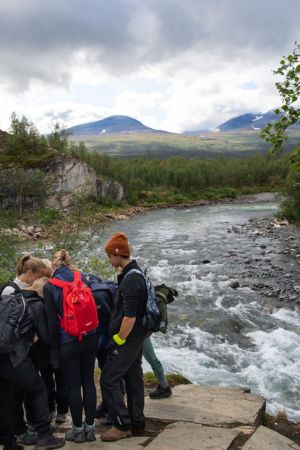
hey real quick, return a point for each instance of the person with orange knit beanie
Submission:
(125, 349)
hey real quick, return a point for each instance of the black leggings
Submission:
(27, 378)
(6, 431)
(78, 363)
(57, 389)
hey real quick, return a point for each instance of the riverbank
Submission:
(263, 197)
(46, 225)
(274, 268)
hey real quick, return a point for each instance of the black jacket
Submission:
(37, 320)
(130, 301)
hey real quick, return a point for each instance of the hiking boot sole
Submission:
(112, 439)
(48, 447)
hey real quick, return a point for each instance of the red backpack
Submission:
(79, 308)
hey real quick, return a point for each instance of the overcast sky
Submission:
(173, 64)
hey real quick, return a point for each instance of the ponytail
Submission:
(36, 265)
(61, 258)
(23, 264)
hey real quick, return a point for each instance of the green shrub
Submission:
(48, 216)
(111, 202)
(291, 205)
(133, 199)
(99, 267)
(8, 257)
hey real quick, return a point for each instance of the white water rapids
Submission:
(260, 347)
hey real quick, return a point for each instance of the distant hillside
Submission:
(111, 125)
(245, 122)
(250, 122)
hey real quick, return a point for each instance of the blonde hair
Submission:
(48, 263)
(39, 284)
(36, 265)
(62, 258)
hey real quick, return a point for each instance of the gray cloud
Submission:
(39, 39)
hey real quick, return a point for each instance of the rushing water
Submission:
(218, 335)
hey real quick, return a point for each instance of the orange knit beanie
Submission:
(118, 245)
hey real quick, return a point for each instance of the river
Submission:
(219, 335)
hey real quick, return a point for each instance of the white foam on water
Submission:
(218, 302)
(176, 252)
(288, 316)
(275, 372)
(271, 368)
(195, 286)
(164, 272)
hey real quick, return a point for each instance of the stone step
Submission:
(187, 436)
(208, 405)
(266, 439)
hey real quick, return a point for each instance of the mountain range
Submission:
(112, 125)
(124, 125)
(248, 121)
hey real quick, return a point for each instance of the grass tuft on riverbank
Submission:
(174, 379)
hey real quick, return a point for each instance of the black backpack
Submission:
(164, 296)
(103, 292)
(12, 312)
(15, 318)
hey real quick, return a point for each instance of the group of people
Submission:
(51, 368)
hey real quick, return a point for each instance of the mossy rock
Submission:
(174, 379)
(150, 381)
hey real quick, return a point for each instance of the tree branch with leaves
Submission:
(289, 91)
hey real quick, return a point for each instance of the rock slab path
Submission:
(199, 417)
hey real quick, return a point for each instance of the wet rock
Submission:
(224, 327)
(208, 405)
(266, 439)
(234, 284)
(205, 261)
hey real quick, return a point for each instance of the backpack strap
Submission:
(140, 272)
(10, 284)
(77, 278)
(59, 283)
(15, 286)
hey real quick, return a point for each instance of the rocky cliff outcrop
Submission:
(109, 188)
(64, 178)
(69, 177)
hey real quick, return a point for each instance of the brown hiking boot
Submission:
(113, 434)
